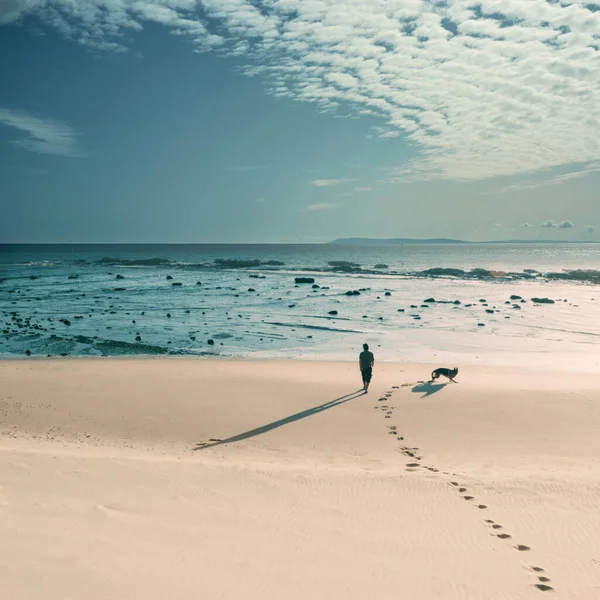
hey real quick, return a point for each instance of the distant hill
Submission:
(401, 241)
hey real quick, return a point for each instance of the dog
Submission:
(449, 373)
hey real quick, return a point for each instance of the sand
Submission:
(176, 478)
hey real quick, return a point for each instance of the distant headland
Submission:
(401, 241)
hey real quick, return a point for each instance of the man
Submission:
(366, 360)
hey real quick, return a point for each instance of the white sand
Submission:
(103, 495)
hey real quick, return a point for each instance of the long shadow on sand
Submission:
(275, 424)
(427, 388)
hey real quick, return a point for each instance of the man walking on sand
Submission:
(366, 360)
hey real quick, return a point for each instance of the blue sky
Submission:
(298, 120)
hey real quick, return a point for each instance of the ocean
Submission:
(433, 303)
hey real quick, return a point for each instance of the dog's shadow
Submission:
(428, 388)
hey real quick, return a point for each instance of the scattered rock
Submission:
(333, 312)
(33, 277)
(429, 300)
(198, 283)
(211, 342)
(482, 300)
(304, 279)
(490, 311)
(388, 293)
(352, 293)
(119, 289)
(138, 338)
(177, 284)
(169, 277)
(119, 277)
(168, 315)
(515, 297)
(381, 266)
(73, 277)
(400, 310)
(316, 286)
(28, 352)
(480, 324)
(542, 300)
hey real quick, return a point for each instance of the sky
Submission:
(298, 121)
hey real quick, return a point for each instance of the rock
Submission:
(119, 277)
(515, 297)
(482, 300)
(490, 311)
(400, 310)
(429, 300)
(388, 293)
(251, 290)
(73, 277)
(516, 306)
(291, 305)
(169, 277)
(304, 279)
(138, 338)
(168, 315)
(333, 312)
(316, 286)
(381, 318)
(211, 342)
(457, 302)
(119, 289)
(65, 321)
(414, 306)
(28, 352)
(424, 305)
(33, 277)
(352, 293)
(480, 324)
(507, 302)
(198, 283)
(381, 266)
(542, 300)
(442, 271)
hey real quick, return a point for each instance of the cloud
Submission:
(549, 224)
(497, 226)
(479, 88)
(329, 182)
(362, 189)
(566, 225)
(322, 206)
(552, 181)
(590, 230)
(41, 135)
(526, 225)
(261, 200)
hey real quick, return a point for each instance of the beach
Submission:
(185, 478)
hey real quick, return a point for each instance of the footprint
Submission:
(395, 387)
(489, 521)
(543, 587)
(462, 489)
(468, 497)
(544, 579)
(496, 526)
(522, 548)
(504, 536)
(412, 465)
(215, 440)
(388, 417)
(481, 506)
(453, 483)
(538, 569)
